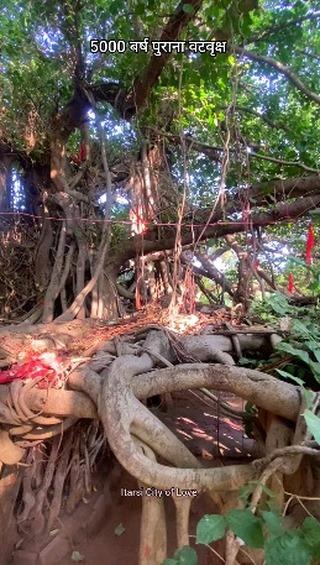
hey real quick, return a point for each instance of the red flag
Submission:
(290, 283)
(310, 244)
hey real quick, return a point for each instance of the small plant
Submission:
(267, 531)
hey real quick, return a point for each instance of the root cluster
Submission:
(44, 432)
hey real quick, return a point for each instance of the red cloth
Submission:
(83, 152)
(81, 156)
(291, 283)
(310, 244)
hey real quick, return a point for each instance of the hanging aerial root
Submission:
(153, 533)
(183, 506)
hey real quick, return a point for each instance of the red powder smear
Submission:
(33, 368)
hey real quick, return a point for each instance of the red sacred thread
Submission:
(138, 223)
(310, 244)
(151, 223)
(291, 286)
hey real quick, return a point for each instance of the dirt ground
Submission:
(207, 433)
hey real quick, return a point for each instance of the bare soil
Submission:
(212, 437)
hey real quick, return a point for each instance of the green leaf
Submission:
(211, 528)
(187, 8)
(245, 492)
(298, 262)
(314, 347)
(273, 522)
(313, 424)
(309, 396)
(279, 304)
(185, 556)
(315, 368)
(246, 526)
(300, 328)
(288, 549)
(287, 375)
(311, 532)
(300, 353)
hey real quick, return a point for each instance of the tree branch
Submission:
(280, 27)
(281, 68)
(284, 162)
(292, 187)
(283, 212)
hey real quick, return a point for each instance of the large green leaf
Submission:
(311, 532)
(287, 549)
(313, 424)
(300, 353)
(184, 556)
(315, 368)
(211, 528)
(273, 522)
(287, 375)
(246, 526)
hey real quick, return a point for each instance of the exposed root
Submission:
(131, 370)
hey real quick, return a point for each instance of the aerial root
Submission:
(153, 533)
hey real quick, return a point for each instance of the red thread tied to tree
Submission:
(310, 244)
(290, 283)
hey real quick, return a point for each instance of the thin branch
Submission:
(283, 69)
(284, 162)
(280, 27)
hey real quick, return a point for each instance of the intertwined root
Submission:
(136, 436)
